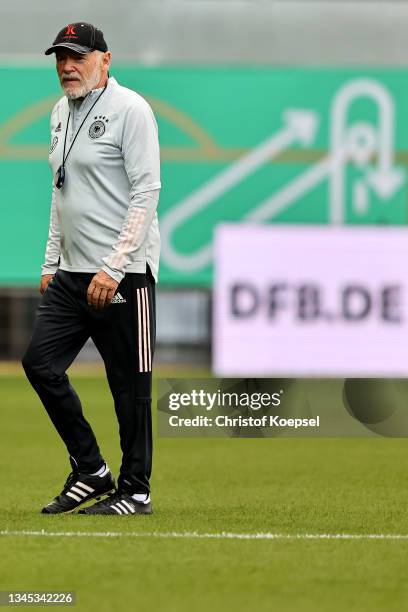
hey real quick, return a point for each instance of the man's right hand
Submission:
(45, 279)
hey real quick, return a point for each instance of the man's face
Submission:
(79, 74)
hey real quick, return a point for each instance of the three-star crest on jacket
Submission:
(98, 127)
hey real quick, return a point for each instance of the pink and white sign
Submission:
(310, 301)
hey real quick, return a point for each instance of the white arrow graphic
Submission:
(357, 143)
(301, 126)
(386, 179)
(300, 186)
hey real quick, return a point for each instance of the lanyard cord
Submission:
(65, 157)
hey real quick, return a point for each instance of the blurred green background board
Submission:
(211, 121)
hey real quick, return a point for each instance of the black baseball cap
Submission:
(80, 37)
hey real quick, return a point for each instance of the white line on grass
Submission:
(209, 536)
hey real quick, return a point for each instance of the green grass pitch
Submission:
(207, 486)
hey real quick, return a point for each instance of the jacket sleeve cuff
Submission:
(115, 274)
(46, 269)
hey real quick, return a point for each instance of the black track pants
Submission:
(124, 334)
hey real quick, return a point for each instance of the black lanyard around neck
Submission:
(61, 174)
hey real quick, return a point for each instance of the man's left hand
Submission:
(101, 290)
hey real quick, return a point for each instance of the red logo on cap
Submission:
(70, 32)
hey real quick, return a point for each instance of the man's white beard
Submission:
(74, 91)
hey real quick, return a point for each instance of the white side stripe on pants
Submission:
(149, 365)
(143, 324)
(139, 328)
(144, 329)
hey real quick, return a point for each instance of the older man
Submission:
(99, 274)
